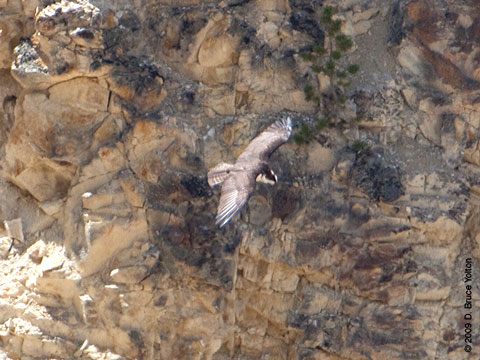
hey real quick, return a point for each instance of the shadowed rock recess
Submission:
(113, 112)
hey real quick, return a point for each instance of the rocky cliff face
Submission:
(112, 114)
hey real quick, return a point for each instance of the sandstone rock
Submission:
(62, 48)
(52, 262)
(216, 52)
(260, 211)
(319, 159)
(37, 251)
(361, 27)
(45, 182)
(365, 15)
(108, 130)
(269, 31)
(129, 275)
(109, 242)
(219, 103)
(82, 95)
(472, 154)
(38, 136)
(410, 58)
(284, 280)
(14, 229)
(151, 147)
(9, 32)
(138, 81)
(51, 207)
(269, 91)
(273, 5)
(324, 82)
(133, 190)
(213, 49)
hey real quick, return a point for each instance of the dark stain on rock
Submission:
(231, 246)
(358, 216)
(306, 250)
(188, 97)
(463, 39)
(363, 99)
(458, 212)
(197, 245)
(246, 32)
(129, 20)
(448, 122)
(196, 186)
(135, 72)
(425, 19)
(330, 209)
(116, 39)
(382, 255)
(385, 230)
(449, 335)
(304, 22)
(411, 266)
(376, 177)
(161, 301)
(303, 18)
(62, 68)
(315, 325)
(411, 313)
(235, 3)
(191, 25)
(137, 338)
(285, 202)
(306, 6)
(448, 71)
(463, 189)
(383, 318)
(85, 34)
(219, 273)
(396, 32)
(177, 237)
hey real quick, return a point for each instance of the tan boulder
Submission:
(280, 6)
(213, 53)
(46, 180)
(82, 94)
(217, 52)
(151, 148)
(60, 124)
(62, 47)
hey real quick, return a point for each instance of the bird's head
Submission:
(267, 177)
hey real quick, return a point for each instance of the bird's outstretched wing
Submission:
(219, 173)
(268, 141)
(235, 192)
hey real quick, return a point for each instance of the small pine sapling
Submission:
(327, 61)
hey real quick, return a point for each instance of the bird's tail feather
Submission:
(219, 173)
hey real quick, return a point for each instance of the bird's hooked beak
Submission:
(268, 177)
(275, 178)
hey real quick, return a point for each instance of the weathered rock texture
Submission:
(113, 112)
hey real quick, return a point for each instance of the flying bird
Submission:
(251, 167)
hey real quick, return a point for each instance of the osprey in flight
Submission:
(240, 178)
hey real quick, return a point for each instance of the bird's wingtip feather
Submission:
(285, 123)
(289, 123)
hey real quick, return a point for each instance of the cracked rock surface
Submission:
(113, 112)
